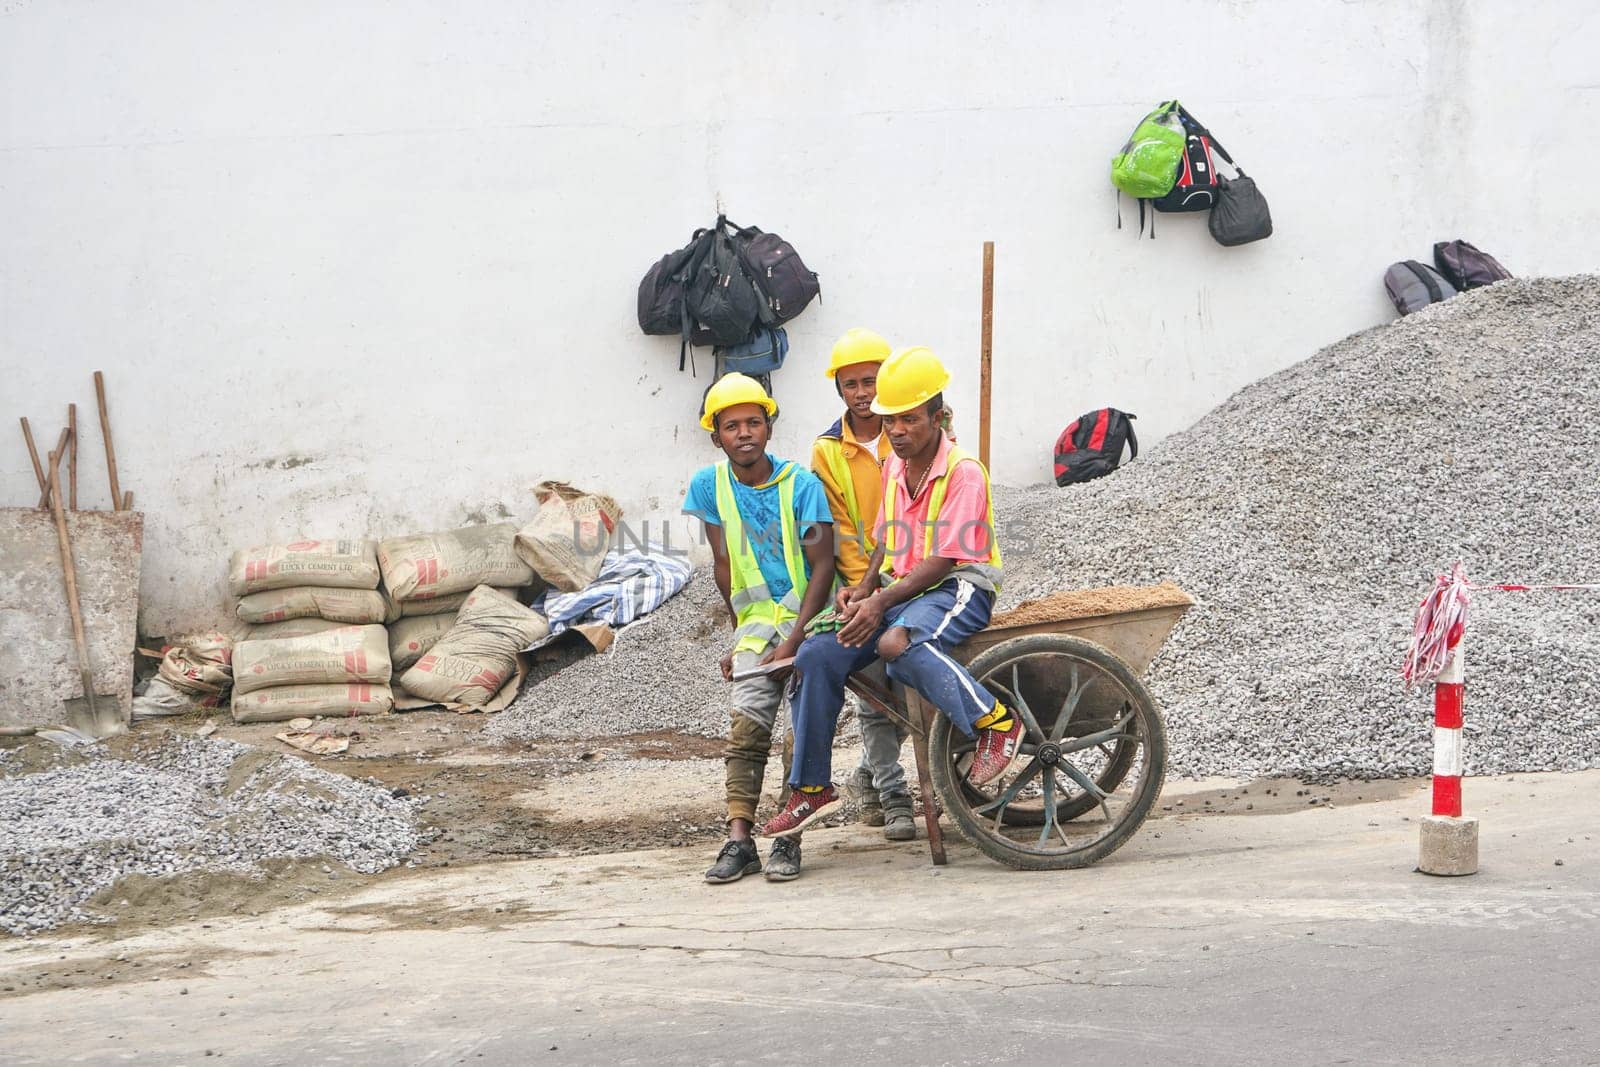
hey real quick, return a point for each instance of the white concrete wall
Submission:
(371, 267)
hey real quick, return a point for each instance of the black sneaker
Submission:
(783, 862)
(737, 859)
(898, 824)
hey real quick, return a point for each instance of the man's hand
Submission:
(842, 599)
(727, 667)
(866, 616)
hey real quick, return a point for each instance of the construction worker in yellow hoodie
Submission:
(849, 458)
(771, 536)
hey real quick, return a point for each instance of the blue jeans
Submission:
(938, 620)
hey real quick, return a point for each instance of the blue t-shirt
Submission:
(758, 508)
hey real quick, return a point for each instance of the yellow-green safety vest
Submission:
(984, 575)
(839, 468)
(759, 620)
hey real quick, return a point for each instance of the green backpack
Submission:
(1147, 166)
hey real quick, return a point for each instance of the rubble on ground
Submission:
(176, 806)
(1307, 514)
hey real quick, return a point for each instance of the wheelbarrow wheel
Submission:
(1095, 756)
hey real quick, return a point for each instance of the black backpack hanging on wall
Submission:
(1196, 186)
(726, 287)
(1091, 445)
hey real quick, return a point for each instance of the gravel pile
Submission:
(1308, 514)
(661, 674)
(179, 806)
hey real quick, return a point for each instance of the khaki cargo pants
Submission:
(755, 712)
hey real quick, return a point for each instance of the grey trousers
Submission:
(880, 753)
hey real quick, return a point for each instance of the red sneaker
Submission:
(802, 810)
(998, 751)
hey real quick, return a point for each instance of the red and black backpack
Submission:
(1091, 446)
(1196, 186)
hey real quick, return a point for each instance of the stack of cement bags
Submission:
(430, 576)
(307, 587)
(344, 671)
(476, 657)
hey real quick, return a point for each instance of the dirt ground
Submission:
(496, 802)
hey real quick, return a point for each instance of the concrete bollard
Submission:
(1449, 841)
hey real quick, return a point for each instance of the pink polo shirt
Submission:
(963, 532)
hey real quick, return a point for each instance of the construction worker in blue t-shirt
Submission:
(771, 535)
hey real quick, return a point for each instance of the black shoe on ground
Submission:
(737, 859)
(783, 862)
(898, 824)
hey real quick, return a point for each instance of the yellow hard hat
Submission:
(857, 346)
(732, 389)
(909, 377)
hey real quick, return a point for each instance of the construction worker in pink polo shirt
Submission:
(930, 585)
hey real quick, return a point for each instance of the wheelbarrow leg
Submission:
(921, 716)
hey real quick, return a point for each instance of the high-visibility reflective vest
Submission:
(984, 575)
(760, 620)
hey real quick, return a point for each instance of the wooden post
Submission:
(922, 715)
(986, 353)
(33, 454)
(61, 450)
(105, 432)
(72, 458)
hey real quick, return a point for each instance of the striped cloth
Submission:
(630, 584)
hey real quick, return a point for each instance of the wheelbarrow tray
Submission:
(1132, 622)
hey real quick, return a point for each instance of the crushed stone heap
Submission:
(175, 807)
(1307, 515)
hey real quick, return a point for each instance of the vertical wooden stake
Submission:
(105, 432)
(986, 354)
(72, 458)
(61, 449)
(33, 454)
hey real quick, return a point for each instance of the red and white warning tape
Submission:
(1435, 655)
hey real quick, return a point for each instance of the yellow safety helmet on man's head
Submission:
(910, 377)
(730, 390)
(857, 346)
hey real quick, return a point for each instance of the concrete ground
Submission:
(1292, 935)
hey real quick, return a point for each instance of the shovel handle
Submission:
(64, 542)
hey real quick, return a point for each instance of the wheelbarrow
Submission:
(1096, 749)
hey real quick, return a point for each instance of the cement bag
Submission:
(410, 638)
(469, 664)
(348, 654)
(201, 666)
(295, 701)
(352, 607)
(567, 540)
(448, 604)
(455, 561)
(331, 564)
(271, 631)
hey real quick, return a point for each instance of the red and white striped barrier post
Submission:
(1447, 737)
(1449, 840)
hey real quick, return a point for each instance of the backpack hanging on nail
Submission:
(1147, 167)
(729, 287)
(1091, 445)
(783, 283)
(1195, 185)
